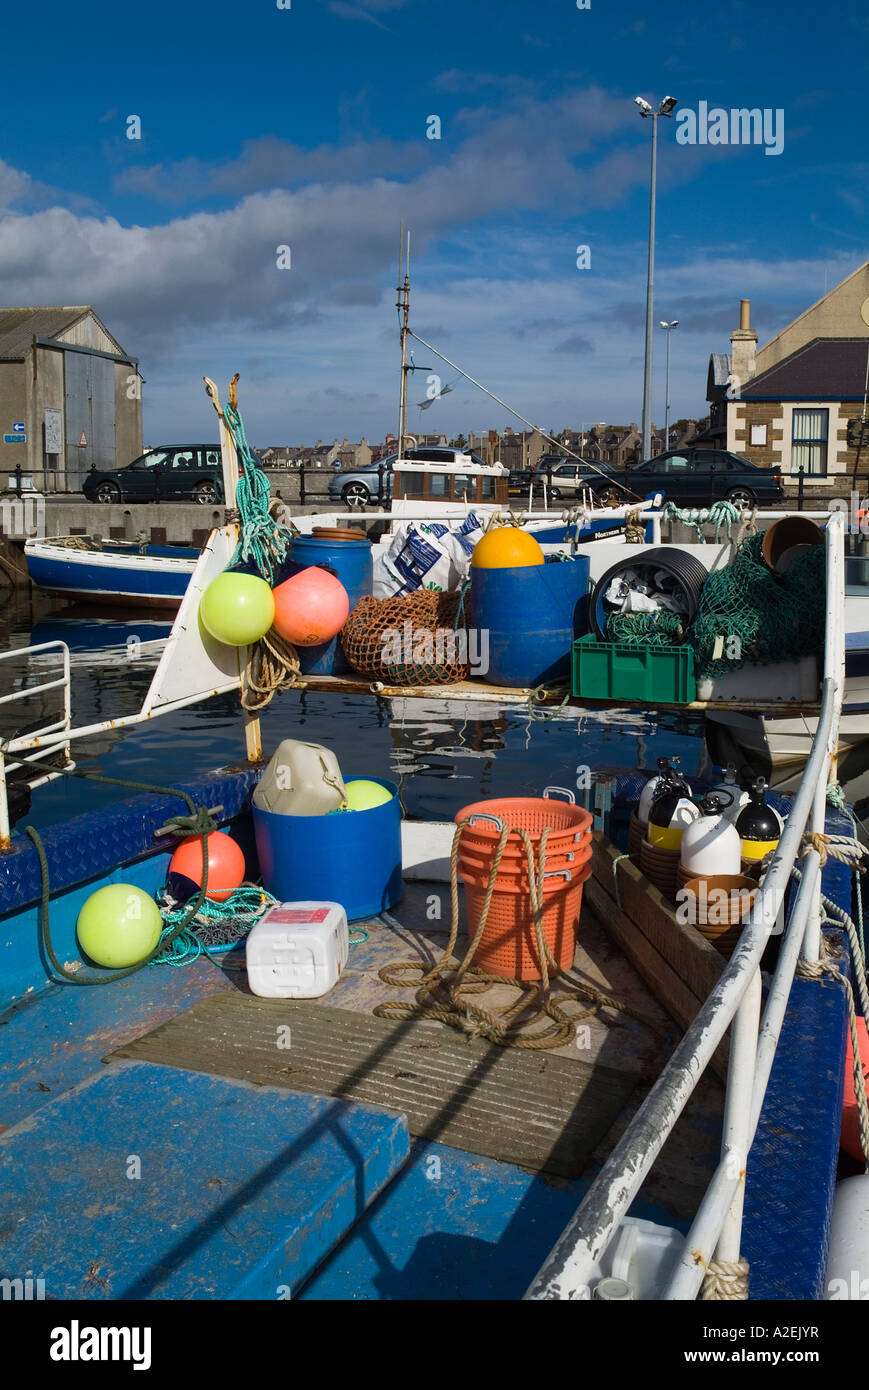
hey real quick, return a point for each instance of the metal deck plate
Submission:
(530, 1108)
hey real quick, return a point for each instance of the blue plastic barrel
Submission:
(351, 561)
(532, 615)
(349, 857)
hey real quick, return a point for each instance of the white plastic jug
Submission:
(302, 779)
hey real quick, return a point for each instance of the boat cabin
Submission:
(448, 488)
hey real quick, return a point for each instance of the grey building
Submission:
(70, 397)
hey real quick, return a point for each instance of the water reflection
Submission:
(442, 756)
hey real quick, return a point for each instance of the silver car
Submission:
(361, 486)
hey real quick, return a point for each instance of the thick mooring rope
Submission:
(443, 991)
(725, 1279)
(274, 665)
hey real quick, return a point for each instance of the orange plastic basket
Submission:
(515, 868)
(508, 946)
(567, 823)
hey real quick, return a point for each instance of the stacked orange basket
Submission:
(508, 945)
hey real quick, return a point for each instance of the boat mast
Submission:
(403, 306)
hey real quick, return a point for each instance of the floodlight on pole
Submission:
(665, 109)
(668, 328)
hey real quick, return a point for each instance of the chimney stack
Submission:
(743, 345)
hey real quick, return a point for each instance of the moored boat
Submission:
(87, 570)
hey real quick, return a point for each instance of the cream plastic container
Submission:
(302, 779)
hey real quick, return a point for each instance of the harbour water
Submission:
(442, 757)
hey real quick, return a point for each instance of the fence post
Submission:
(302, 485)
(381, 471)
(801, 473)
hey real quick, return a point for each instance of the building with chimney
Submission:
(799, 403)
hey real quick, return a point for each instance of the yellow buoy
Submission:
(506, 547)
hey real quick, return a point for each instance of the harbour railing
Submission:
(715, 1233)
(55, 731)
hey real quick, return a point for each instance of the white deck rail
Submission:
(57, 730)
(715, 1233)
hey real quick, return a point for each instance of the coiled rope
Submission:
(445, 991)
(274, 665)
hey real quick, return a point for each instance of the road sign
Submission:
(19, 427)
(15, 439)
(83, 442)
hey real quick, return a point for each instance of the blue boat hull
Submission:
(103, 577)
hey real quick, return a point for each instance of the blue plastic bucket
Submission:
(532, 615)
(349, 857)
(351, 561)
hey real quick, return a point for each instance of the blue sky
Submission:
(307, 127)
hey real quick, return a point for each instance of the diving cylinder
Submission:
(672, 810)
(731, 785)
(848, 1262)
(711, 844)
(759, 826)
(665, 766)
(302, 779)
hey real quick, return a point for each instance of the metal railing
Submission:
(59, 727)
(716, 1229)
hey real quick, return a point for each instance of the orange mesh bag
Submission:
(417, 639)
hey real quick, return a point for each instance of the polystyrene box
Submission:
(297, 950)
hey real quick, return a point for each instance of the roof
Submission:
(825, 369)
(719, 370)
(18, 327)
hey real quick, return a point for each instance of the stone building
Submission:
(70, 397)
(800, 400)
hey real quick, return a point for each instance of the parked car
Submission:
(561, 476)
(360, 486)
(695, 477)
(188, 471)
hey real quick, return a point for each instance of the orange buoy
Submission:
(311, 607)
(849, 1138)
(225, 867)
(506, 547)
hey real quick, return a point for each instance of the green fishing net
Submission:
(755, 616)
(661, 629)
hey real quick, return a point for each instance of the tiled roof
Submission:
(825, 369)
(18, 327)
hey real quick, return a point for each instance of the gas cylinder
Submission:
(730, 784)
(758, 824)
(711, 844)
(671, 811)
(647, 795)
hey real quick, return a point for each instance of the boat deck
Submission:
(476, 691)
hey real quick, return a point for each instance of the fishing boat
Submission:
(122, 573)
(685, 1132)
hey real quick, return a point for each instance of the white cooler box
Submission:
(297, 950)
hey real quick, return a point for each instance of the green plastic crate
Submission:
(617, 671)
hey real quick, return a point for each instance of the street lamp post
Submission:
(665, 109)
(668, 328)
